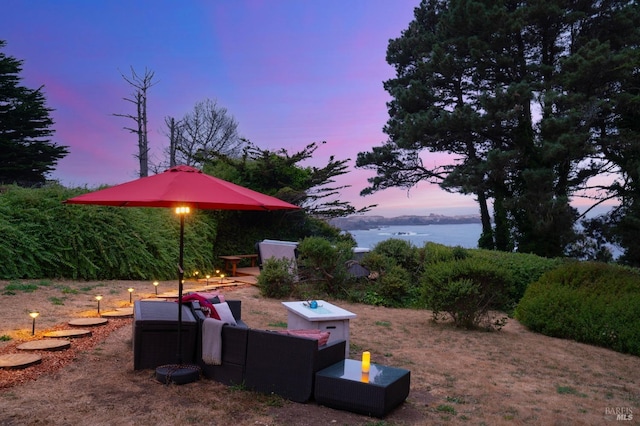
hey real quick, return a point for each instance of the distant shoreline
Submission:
(370, 222)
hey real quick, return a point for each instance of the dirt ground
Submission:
(512, 376)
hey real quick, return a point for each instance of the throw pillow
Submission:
(224, 313)
(205, 304)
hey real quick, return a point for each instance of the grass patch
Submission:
(568, 390)
(273, 400)
(444, 408)
(383, 323)
(278, 324)
(355, 348)
(57, 301)
(238, 387)
(5, 338)
(14, 287)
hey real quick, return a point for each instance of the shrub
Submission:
(276, 279)
(392, 287)
(322, 264)
(590, 302)
(467, 290)
(523, 269)
(435, 253)
(402, 252)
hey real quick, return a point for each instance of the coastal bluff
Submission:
(370, 222)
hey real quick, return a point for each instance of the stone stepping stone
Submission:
(119, 313)
(68, 333)
(19, 360)
(88, 322)
(45, 345)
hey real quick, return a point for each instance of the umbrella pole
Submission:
(180, 278)
(179, 374)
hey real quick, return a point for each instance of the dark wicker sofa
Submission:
(267, 361)
(234, 347)
(286, 365)
(155, 334)
(263, 361)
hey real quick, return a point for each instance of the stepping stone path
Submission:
(119, 313)
(19, 360)
(45, 345)
(88, 322)
(23, 360)
(68, 333)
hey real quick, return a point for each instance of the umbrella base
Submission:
(178, 374)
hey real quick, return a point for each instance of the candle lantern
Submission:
(366, 362)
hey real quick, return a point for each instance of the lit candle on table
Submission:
(366, 361)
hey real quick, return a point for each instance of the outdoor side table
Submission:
(326, 317)
(343, 386)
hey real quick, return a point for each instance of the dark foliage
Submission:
(27, 155)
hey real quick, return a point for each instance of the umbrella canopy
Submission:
(182, 186)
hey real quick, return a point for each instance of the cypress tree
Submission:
(27, 154)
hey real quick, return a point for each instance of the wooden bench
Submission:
(231, 262)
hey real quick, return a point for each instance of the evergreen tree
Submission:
(27, 154)
(491, 83)
(277, 173)
(606, 68)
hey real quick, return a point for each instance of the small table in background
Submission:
(252, 257)
(231, 264)
(326, 317)
(343, 386)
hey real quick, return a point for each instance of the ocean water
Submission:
(464, 235)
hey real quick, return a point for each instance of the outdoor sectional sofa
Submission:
(261, 360)
(268, 361)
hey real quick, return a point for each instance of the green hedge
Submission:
(590, 302)
(44, 238)
(523, 269)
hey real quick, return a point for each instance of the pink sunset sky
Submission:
(291, 72)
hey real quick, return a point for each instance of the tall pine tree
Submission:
(497, 84)
(27, 154)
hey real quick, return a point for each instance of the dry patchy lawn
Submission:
(464, 377)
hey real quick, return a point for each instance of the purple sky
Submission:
(291, 72)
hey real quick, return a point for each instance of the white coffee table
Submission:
(326, 317)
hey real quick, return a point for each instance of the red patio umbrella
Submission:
(182, 187)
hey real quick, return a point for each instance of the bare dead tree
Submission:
(204, 133)
(173, 139)
(141, 85)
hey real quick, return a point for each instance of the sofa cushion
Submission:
(321, 336)
(223, 312)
